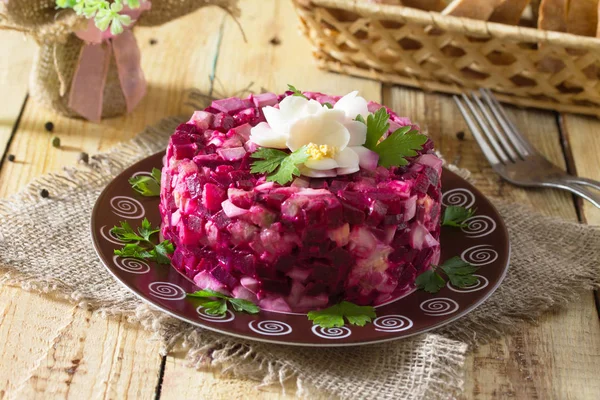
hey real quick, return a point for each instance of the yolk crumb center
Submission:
(318, 152)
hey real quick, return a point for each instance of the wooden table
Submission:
(50, 349)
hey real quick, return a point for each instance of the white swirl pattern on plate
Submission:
(392, 323)
(458, 197)
(270, 328)
(479, 255)
(127, 207)
(228, 316)
(109, 236)
(482, 283)
(439, 306)
(166, 291)
(331, 333)
(146, 173)
(131, 265)
(479, 226)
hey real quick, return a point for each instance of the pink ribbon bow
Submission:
(87, 89)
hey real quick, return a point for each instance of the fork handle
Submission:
(582, 181)
(581, 191)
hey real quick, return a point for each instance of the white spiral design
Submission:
(482, 282)
(439, 306)
(392, 323)
(141, 173)
(270, 328)
(131, 265)
(482, 254)
(228, 316)
(107, 234)
(331, 333)
(166, 291)
(479, 225)
(458, 197)
(127, 207)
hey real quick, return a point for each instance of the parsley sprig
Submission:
(456, 216)
(337, 315)
(215, 303)
(393, 150)
(280, 166)
(296, 92)
(140, 244)
(459, 272)
(147, 185)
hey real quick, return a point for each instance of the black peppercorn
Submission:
(11, 157)
(153, 42)
(84, 157)
(275, 41)
(49, 126)
(44, 193)
(460, 135)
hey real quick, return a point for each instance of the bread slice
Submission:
(476, 9)
(509, 11)
(582, 17)
(553, 15)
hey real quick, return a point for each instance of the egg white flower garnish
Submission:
(333, 138)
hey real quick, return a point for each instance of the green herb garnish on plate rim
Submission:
(215, 303)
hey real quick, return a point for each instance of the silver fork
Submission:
(510, 153)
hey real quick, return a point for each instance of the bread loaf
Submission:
(509, 12)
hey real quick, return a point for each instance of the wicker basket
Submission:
(395, 44)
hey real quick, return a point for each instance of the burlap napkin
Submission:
(45, 245)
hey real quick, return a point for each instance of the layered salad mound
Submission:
(344, 227)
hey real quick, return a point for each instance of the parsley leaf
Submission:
(242, 305)
(289, 167)
(328, 105)
(296, 92)
(207, 293)
(285, 164)
(134, 250)
(125, 232)
(215, 307)
(402, 143)
(162, 251)
(145, 185)
(456, 216)
(430, 281)
(272, 158)
(146, 229)
(459, 272)
(377, 126)
(334, 316)
(140, 244)
(219, 306)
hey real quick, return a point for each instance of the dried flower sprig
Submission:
(105, 13)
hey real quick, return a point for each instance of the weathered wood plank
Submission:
(583, 137)
(49, 349)
(14, 70)
(52, 348)
(545, 361)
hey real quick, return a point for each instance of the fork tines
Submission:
(493, 130)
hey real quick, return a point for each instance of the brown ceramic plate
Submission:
(484, 243)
